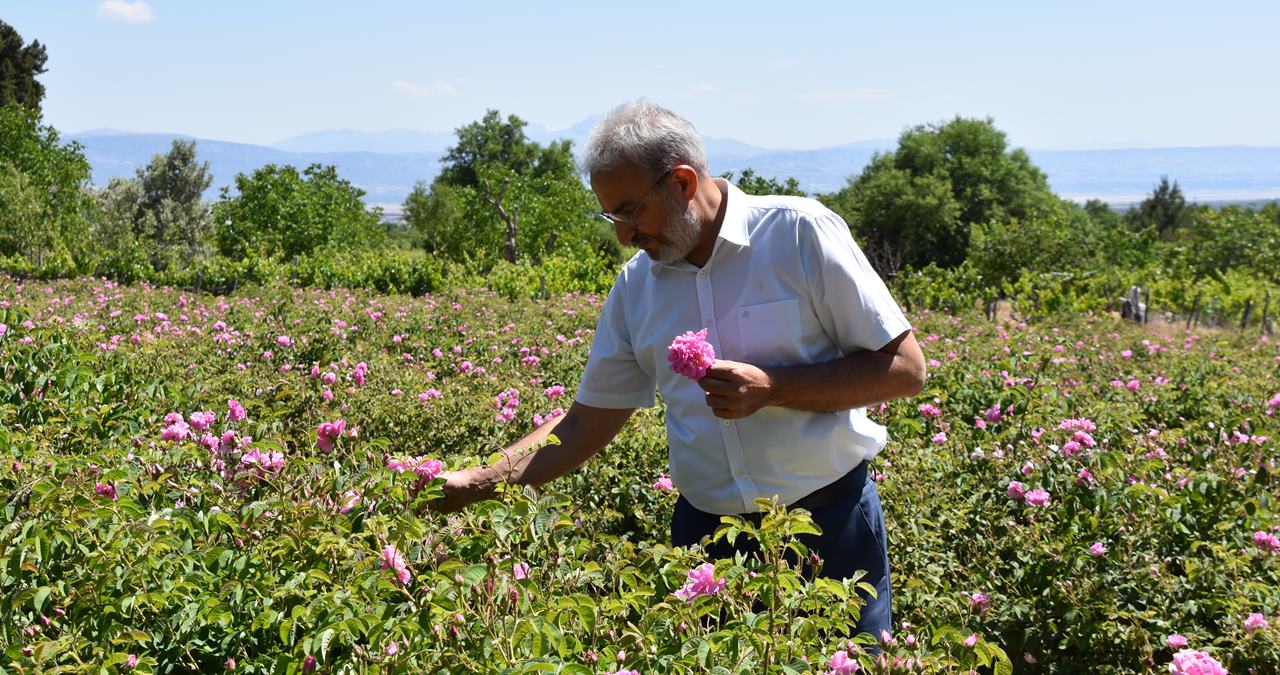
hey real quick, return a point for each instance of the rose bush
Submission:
(183, 490)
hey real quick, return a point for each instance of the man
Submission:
(805, 332)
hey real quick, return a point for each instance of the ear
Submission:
(686, 177)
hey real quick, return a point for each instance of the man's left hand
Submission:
(735, 389)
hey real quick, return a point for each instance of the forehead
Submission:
(622, 185)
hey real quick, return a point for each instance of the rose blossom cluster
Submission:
(1266, 541)
(266, 462)
(393, 560)
(702, 581)
(177, 429)
(362, 369)
(328, 433)
(425, 468)
(691, 355)
(105, 490)
(1036, 497)
(506, 405)
(1081, 435)
(539, 420)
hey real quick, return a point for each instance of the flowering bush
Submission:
(175, 500)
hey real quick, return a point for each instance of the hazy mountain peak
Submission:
(386, 164)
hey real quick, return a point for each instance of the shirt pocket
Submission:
(769, 333)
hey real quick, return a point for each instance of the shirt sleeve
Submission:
(613, 378)
(850, 299)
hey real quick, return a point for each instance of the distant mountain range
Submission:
(386, 164)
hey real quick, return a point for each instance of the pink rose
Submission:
(393, 560)
(702, 581)
(841, 664)
(1255, 622)
(691, 355)
(1192, 662)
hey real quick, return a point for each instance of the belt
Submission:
(850, 483)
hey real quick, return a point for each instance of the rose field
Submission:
(197, 483)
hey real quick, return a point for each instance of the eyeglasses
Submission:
(629, 215)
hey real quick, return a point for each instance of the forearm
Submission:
(853, 381)
(580, 437)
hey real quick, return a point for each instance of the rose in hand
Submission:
(691, 355)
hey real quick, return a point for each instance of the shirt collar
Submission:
(733, 229)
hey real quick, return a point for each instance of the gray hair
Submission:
(645, 134)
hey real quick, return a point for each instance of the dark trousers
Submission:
(852, 538)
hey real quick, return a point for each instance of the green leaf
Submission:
(284, 632)
(325, 636)
(41, 596)
(474, 575)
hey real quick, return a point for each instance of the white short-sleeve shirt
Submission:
(785, 285)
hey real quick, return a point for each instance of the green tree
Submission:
(123, 253)
(22, 215)
(916, 205)
(501, 195)
(281, 212)
(173, 184)
(495, 142)
(162, 210)
(431, 211)
(753, 183)
(1062, 239)
(41, 190)
(1102, 213)
(1217, 241)
(19, 66)
(1165, 209)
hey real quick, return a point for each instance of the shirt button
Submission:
(727, 423)
(738, 471)
(702, 273)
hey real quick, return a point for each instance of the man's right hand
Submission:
(465, 487)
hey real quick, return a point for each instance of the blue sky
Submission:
(1080, 74)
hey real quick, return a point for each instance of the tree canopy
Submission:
(495, 142)
(162, 211)
(753, 183)
(1165, 209)
(20, 64)
(43, 205)
(916, 204)
(280, 211)
(500, 194)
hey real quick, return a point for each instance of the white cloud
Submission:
(779, 63)
(133, 12)
(703, 88)
(842, 95)
(437, 88)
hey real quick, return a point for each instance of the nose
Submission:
(624, 231)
